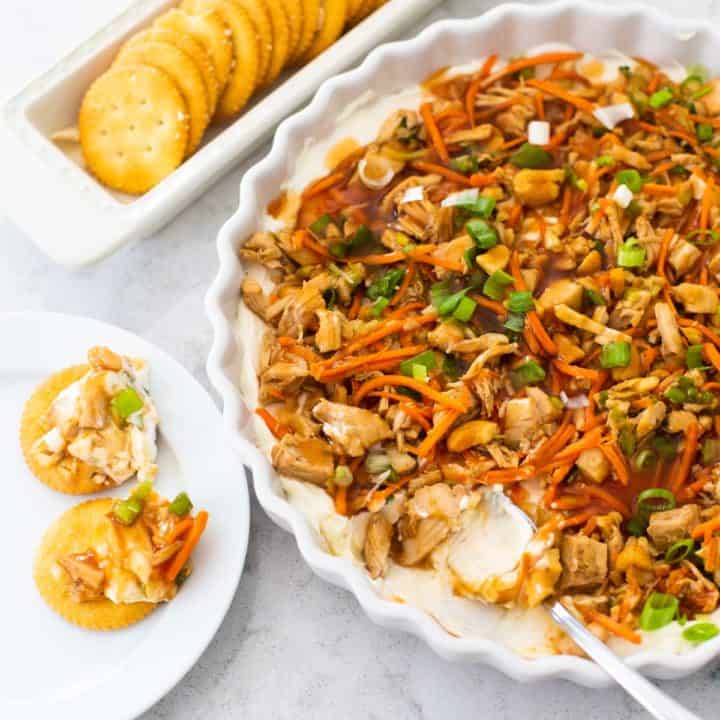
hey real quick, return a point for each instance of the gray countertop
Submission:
(291, 645)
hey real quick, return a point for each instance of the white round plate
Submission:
(48, 667)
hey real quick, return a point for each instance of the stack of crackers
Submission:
(197, 64)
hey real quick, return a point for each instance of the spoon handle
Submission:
(654, 700)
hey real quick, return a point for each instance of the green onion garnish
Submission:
(465, 309)
(630, 254)
(379, 306)
(424, 359)
(680, 550)
(142, 490)
(645, 459)
(704, 132)
(495, 286)
(660, 610)
(320, 225)
(453, 368)
(532, 157)
(363, 236)
(665, 446)
(694, 357)
(482, 206)
(630, 178)
(712, 237)
(700, 632)
(126, 512)
(515, 322)
(676, 395)
(484, 235)
(660, 98)
(655, 500)
(637, 526)
(604, 160)
(419, 372)
(449, 303)
(520, 301)
(126, 402)
(615, 355)
(627, 440)
(594, 296)
(465, 164)
(527, 373)
(386, 284)
(181, 505)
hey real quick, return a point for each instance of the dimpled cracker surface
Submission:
(244, 70)
(182, 71)
(74, 532)
(332, 21)
(134, 128)
(209, 29)
(311, 19)
(258, 13)
(294, 13)
(72, 476)
(192, 48)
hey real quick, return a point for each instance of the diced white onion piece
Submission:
(539, 132)
(612, 115)
(698, 186)
(623, 196)
(413, 194)
(573, 403)
(461, 198)
(54, 440)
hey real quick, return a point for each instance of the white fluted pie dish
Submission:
(388, 72)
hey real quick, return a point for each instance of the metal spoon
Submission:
(654, 700)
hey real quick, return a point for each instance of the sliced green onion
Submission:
(126, 512)
(527, 373)
(604, 160)
(419, 372)
(637, 526)
(634, 209)
(700, 632)
(710, 451)
(426, 359)
(496, 284)
(469, 256)
(465, 309)
(484, 235)
(694, 357)
(377, 463)
(379, 306)
(363, 236)
(676, 395)
(181, 505)
(655, 500)
(631, 255)
(532, 157)
(449, 304)
(627, 440)
(453, 368)
(665, 446)
(704, 132)
(482, 206)
(320, 225)
(142, 490)
(660, 98)
(386, 284)
(520, 301)
(515, 322)
(465, 164)
(343, 476)
(645, 459)
(680, 550)
(594, 296)
(630, 178)
(615, 355)
(702, 92)
(126, 402)
(712, 237)
(660, 610)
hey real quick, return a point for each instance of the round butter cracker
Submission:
(134, 128)
(209, 29)
(192, 48)
(182, 71)
(310, 27)
(258, 13)
(294, 12)
(73, 533)
(244, 70)
(332, 22)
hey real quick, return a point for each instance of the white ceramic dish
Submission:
(508, 30)
(104, 221)
(50, 668)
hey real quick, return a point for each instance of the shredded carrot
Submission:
(183, 555)
(523, 63)
(508, 475)
(388, 328)
(541, 334)
(707, 528)
(712, 355)
(479, 179)
(323, 184)
(589, 440)
(433, 132)
(514, 215)
(613, 455)
(707, 199)
(404, 285)
(180, 529)
(516, 272)
(648, 357)
(425, 256)
(603, 495)
(574, 371)
(552, 89)
(333, 374)
(706, 331)
(575, 520)
(382, 258)
(403, 381)
(614, 627)
(497, 307)
(405, 310)
(448, 174)
(475, 86)
(565, 208)
(297, 348)
(341, 506)
(386, 492)
(659, 190)
(302, 238)
(439, 430)
(554, 443)
(416, 414)
(539, 106)
(686, 459)
(354, 310)
(273, 425)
